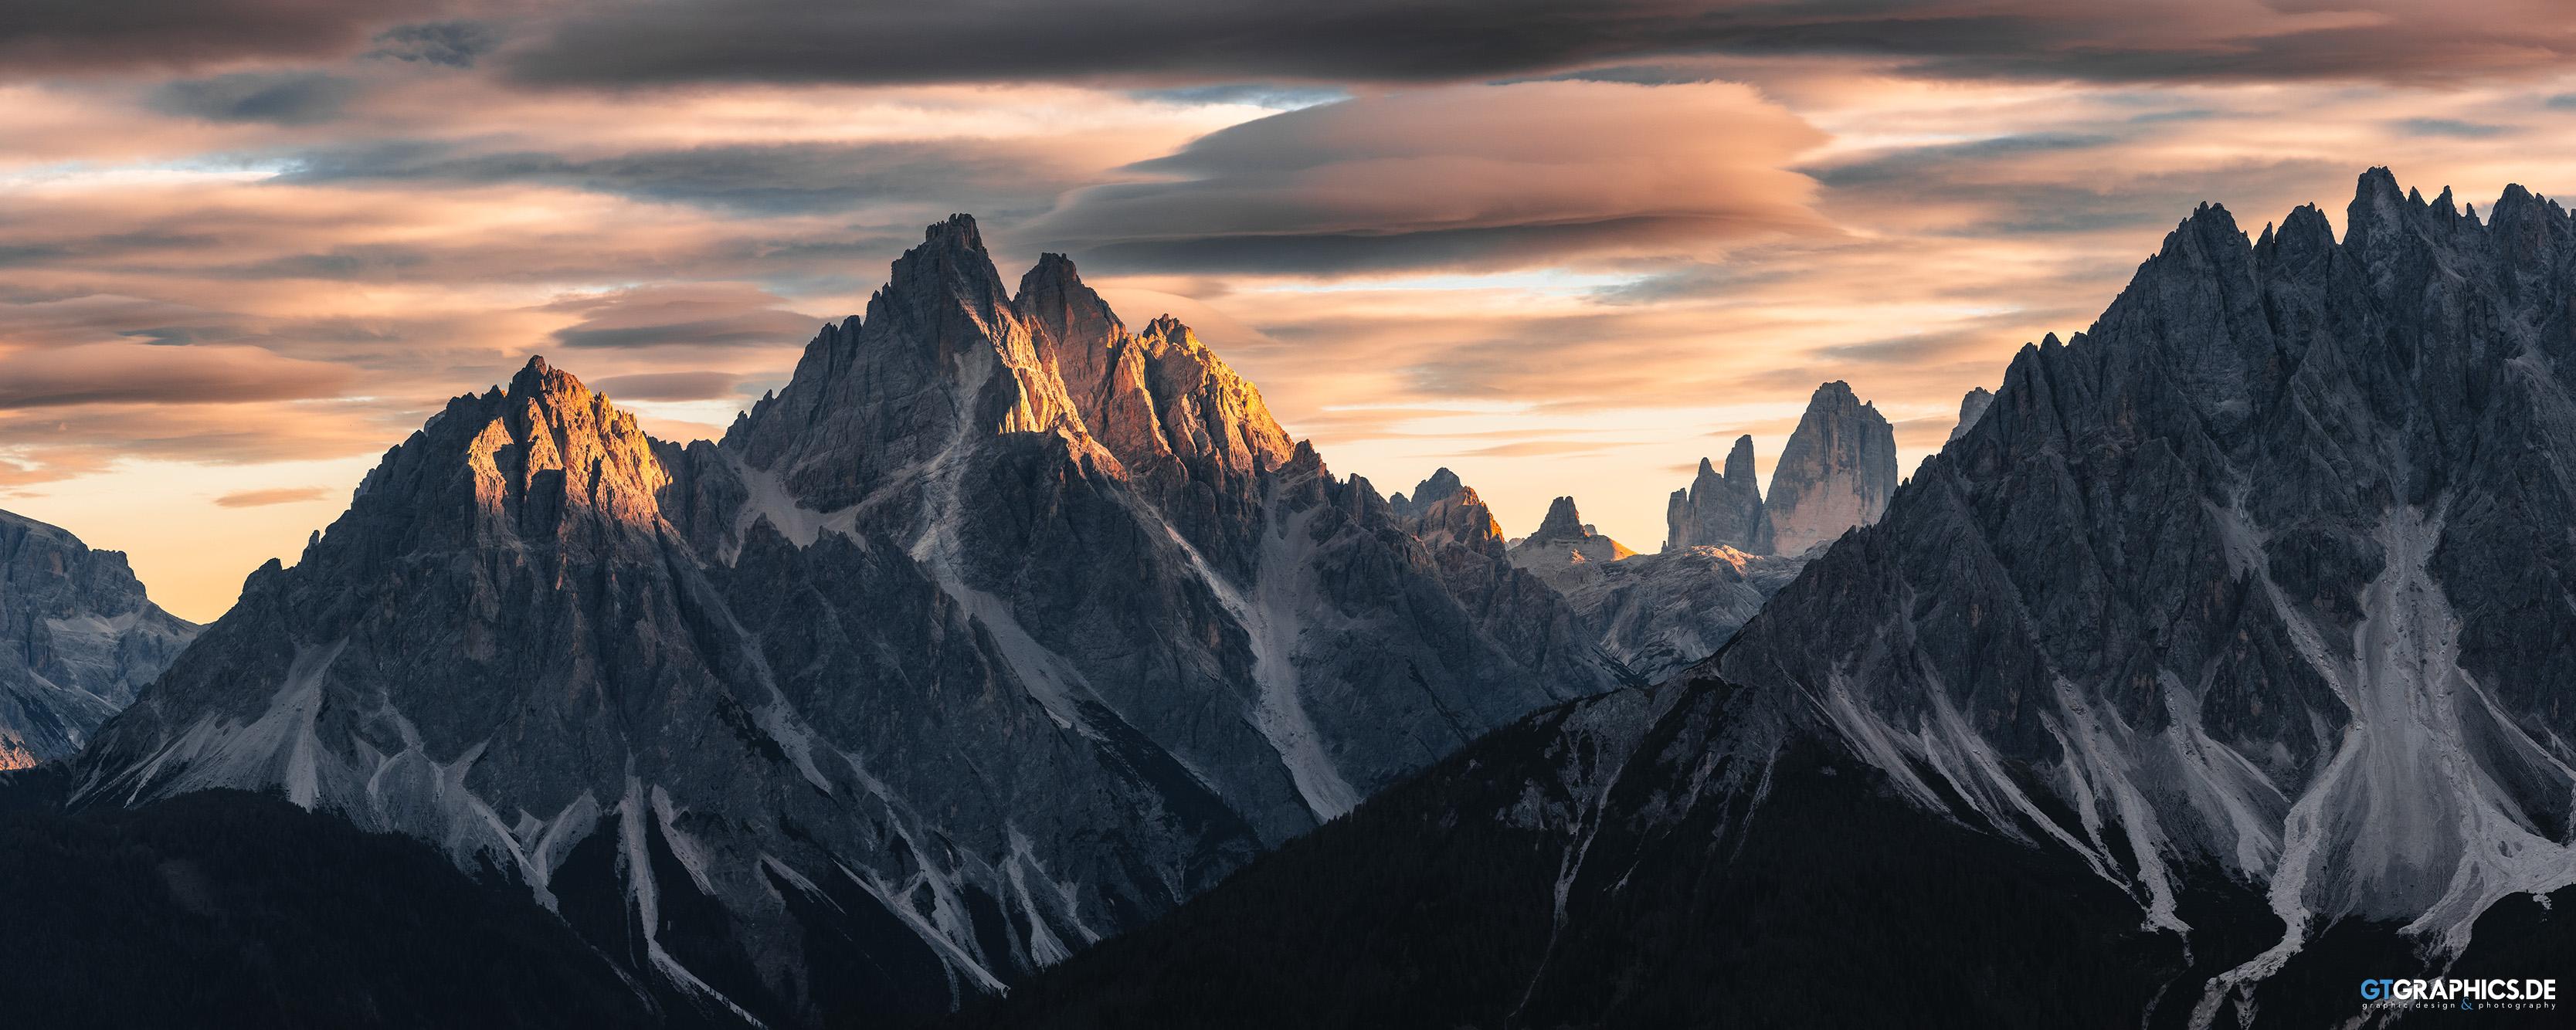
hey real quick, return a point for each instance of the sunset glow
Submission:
(235, 271)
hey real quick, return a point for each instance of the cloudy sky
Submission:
(246, 245)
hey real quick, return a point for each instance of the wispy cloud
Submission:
(1515, 175)
(264, 498)
(1556, 245)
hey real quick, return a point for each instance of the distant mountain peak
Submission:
(1443, 509)
(1836, 472)
(79, 639)
(1563, 549)
(1563, 522)
(1440, 485)
(1971, 408)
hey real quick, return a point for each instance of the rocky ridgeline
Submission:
(2257, 571)
(1000, 629)
(78, 639)
(2230, 642)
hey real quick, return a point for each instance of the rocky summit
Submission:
(998, 630)
(1564, 548)
(1836, 472)
(78, 639)
(1720, 509)
(1971, 408)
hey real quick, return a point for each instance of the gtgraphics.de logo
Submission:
(2461, 995)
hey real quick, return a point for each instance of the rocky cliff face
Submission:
(78, 639)
(1837, 472)
(1971, 408)
(998, 630)
(1720, 509)
(1443, 510)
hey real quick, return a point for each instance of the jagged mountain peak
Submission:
(955, 232)
(946, 277)
(78, 639)
(1837, 471)
(1441, 484)
(2294, 513)
(1443, 509)
(1059, 305)
(1563, 522)
(1739, 461)
(542, 458)
(941, 360)
(1168, 332)
(1562, 551)
(537, 376)
(1971, 408)
(1718, 509)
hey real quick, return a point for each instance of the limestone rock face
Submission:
(1444, 510)
(998, 630)
(1837, 472)
(1971, 408)
(78, 639)
(1187, 428)
(1720, 509)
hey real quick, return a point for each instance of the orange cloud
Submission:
(1536, 282)
(128, 373)
(1515, 175)
(264, 498)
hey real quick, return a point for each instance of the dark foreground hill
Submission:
(223, 908)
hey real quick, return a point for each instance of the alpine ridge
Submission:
(2226, 649)
(2290, 508)
(998, 630)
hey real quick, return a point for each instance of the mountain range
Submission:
(1012, 663)
(999, 630)
(2220, 660)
